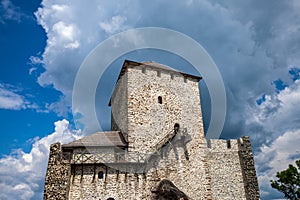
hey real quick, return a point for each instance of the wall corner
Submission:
(248, 168)
(58, 175)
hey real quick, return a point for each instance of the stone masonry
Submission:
(157, 137)
(57, 182)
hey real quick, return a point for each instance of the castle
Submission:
(156, 148)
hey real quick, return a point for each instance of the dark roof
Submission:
(100, 139)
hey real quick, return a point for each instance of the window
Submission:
(159, 99)
(100, 175)
(176, 127)
(228, 144)
(110, 198)
(144, 70)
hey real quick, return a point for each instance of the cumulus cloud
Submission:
(277, 114)
(114, 25)
(278, 119)
(276, 157)
(22, 174)
(214, 24)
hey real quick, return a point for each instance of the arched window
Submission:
(110, 198)
(176, 127)
(159, 100)
(100, 175)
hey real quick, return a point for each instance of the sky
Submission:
(255, 45)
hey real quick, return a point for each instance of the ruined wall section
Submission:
(57, 176)
(119, 104)
(225, 170)
(248, 169)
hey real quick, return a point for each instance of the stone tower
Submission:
(157, 142)
(150, 99)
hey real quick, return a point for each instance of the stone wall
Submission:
(190, 176)
(148, 120)
(119, 185)
(119, 104)
(248, 169)
(58, 175)
(225, 170)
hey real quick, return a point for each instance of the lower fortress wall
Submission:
(222, 170)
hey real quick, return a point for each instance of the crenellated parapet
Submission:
(232, 170)
(218, 145)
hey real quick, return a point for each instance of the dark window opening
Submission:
(185, 79)
(159, 100)
(110, 198)
(100, 175)
(176, 127)
(228, 144)
(144, 70)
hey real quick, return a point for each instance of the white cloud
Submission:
(227, 40)
(22, 174)
(278, 117)
(114, 25)
(65, 33)
(278, 114)
(35, 60)
(9, 12)
(276, 157)
(11, 100)
(60, 107)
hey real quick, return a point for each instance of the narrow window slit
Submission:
(100, 175)
(159, 99)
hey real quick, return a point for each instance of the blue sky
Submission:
(255, 44)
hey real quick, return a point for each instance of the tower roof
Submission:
(100, 139)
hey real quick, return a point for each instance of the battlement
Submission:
(228, 145)
(153, 69)
(222, 145)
